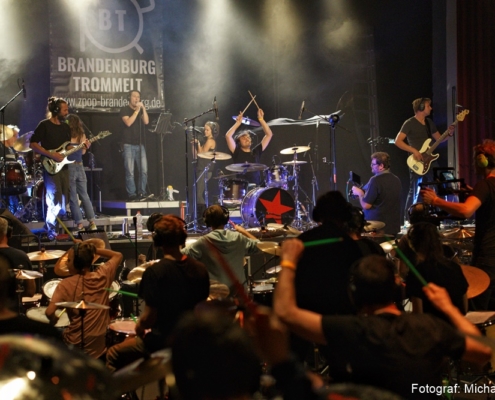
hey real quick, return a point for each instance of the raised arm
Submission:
(266, 129)
(463, 210)
(229, 136)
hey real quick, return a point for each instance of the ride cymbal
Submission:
(22, 144)
(370, 226)
(270, 248)
(23, 274)
(245, 167)
(82, 305)
(45, 255)
(136, 274)
(458, 233)
(210, 155)
(295, 149)
(293, 163)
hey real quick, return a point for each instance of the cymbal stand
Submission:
(194, 222)
(19, 290)
(297, 223)
(204, 175)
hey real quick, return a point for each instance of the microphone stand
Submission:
(134, 221)
(194, 222)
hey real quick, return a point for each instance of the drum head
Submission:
(124, 325)
(38, 314)
(50, 286)
(262, 206)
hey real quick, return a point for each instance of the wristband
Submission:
(288, 264)
(261, 119)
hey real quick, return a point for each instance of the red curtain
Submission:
(475, 78)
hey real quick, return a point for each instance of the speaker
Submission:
(212, 218)
(78, 261)
(421, 105)
(481, 160)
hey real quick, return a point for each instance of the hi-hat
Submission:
(61, 268)
(247, 121)
(266, 233)
(27, 274)
(270, 248)
(82, 305)
(22, 144)
(373, 226)
(144, 371)
(274, 270)
(286, 228)
(214, 155)
(295, 149)
(136, 274)
(45, 255)
(245, 167)
(293, 163)
(458, 233)
(477, 279)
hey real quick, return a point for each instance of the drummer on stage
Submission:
(7, 141)
(240, 147)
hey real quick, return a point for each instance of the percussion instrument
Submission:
(270, 248)
(295, 149)
(81, 305)
(38, 314)
(48, 290)
(276, 176)
(119, 330)
(247, 121)
(265, 205)
(232, 191)
(245, 167)
(210, 155)
(13, 179)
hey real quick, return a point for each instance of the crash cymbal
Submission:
(478, 280)
(295, 149)
(144, 371)
(294, 162)
(245, 167)
(270, 248)
(82, 305)
(374, 234)
(266, 233)
(45, 255)
(27, 274)
(388, 246)
(274, 270)
(458, 233)
(61, 268)
(136, 274)
(287, 228)
(22, 144)
(210, 155)
(247, 121)
(371, 226)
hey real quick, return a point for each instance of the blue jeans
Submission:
(131, 156)
(413, 195)
(57, 193)
(79, 186)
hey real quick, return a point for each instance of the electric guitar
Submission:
(53, 167)
(421, 167)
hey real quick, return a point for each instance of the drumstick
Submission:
(134, 318)
(248, 105)
(65, 228)
(322, 241)
(64, 310)
(121, 292)
(254, 100)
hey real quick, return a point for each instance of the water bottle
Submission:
(125, 227)
(139, 225)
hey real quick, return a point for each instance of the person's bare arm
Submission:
(400, 142)
(360, 194)
(229, 136)
(266, 129)
(463, 210)
(147, 320)
(41, 150)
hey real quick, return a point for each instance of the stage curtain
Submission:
(475, 78)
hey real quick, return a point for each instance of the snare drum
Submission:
(263, 294)
(262, 206)
(38, 314)
(13, 178)
(488, 329)
(276, 176)
(232, 191)
(114, 299)
(119, 330)
(48, 290)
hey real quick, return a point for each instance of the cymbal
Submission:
(374, 234)
(266, 233)
(274, 270)
(27, 274)
(478, 280)
(270, 248)
(287, 228)
(61, 268)
(144, 371)
(219, 291)
(388, 246)
(247, 121)
(82, 305)
(295, 149)
(22, 144)
(458, 233)
(294, 162)
(214, 155)
(45, 255)
(245, 167)
(373, 225)
(136, 274)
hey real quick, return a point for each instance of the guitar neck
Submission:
(78, 147)
(440, 139)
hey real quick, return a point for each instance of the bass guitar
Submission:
(53, 167)
(421, 167)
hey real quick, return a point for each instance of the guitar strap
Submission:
(428, 130)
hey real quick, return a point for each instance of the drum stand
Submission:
(204, 175)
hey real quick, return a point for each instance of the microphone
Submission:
(309, 145)
(301, 110)
(23, 89)
(215, 107)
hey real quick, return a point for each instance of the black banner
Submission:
(101, 50)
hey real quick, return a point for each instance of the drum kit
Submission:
(271, 203)
(25, 176)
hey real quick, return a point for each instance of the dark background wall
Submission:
(284, 52)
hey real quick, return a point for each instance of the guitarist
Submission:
(411, 137)
(50, 134)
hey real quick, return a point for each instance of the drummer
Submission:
(8, 153)
(241, 149)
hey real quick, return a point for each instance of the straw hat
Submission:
(61, 268)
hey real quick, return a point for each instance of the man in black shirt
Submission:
(135, 117)
(48, 136)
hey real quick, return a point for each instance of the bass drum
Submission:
(262, 206)
(13, 179)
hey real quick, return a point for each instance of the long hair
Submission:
(423, 238)
(76, 129)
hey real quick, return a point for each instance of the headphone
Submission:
(482, 161)
(152, 220)
(54, 106)
(209, 214)
(421, 105)
(78, 261)
(10, 227)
